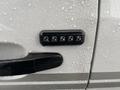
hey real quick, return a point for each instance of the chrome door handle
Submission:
(32, 63)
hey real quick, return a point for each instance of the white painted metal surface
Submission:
(107, 52)
(21, 22)
(26, 18)
(107, 56)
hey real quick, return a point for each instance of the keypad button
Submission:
(62, 38)
(78, 38)
(70, 38)
(46, 39)
(54, 39)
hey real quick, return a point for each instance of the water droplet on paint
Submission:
(11, 19)
(72, 19)
(107, 12)
(4, 13)
(29, 4)
(82, 2)
(74, 25)
(63, 8)
(14, 8)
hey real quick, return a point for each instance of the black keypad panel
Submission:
(62, 37)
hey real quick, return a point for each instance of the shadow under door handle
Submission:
(34, 62)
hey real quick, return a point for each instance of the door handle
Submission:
(32, 63)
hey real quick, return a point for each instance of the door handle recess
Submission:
(32, 63)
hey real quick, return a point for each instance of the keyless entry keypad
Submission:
(62, 37)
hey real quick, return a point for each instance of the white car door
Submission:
(106, 65)
(21, 22)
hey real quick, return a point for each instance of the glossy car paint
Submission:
(106, 66)
(21, 22)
